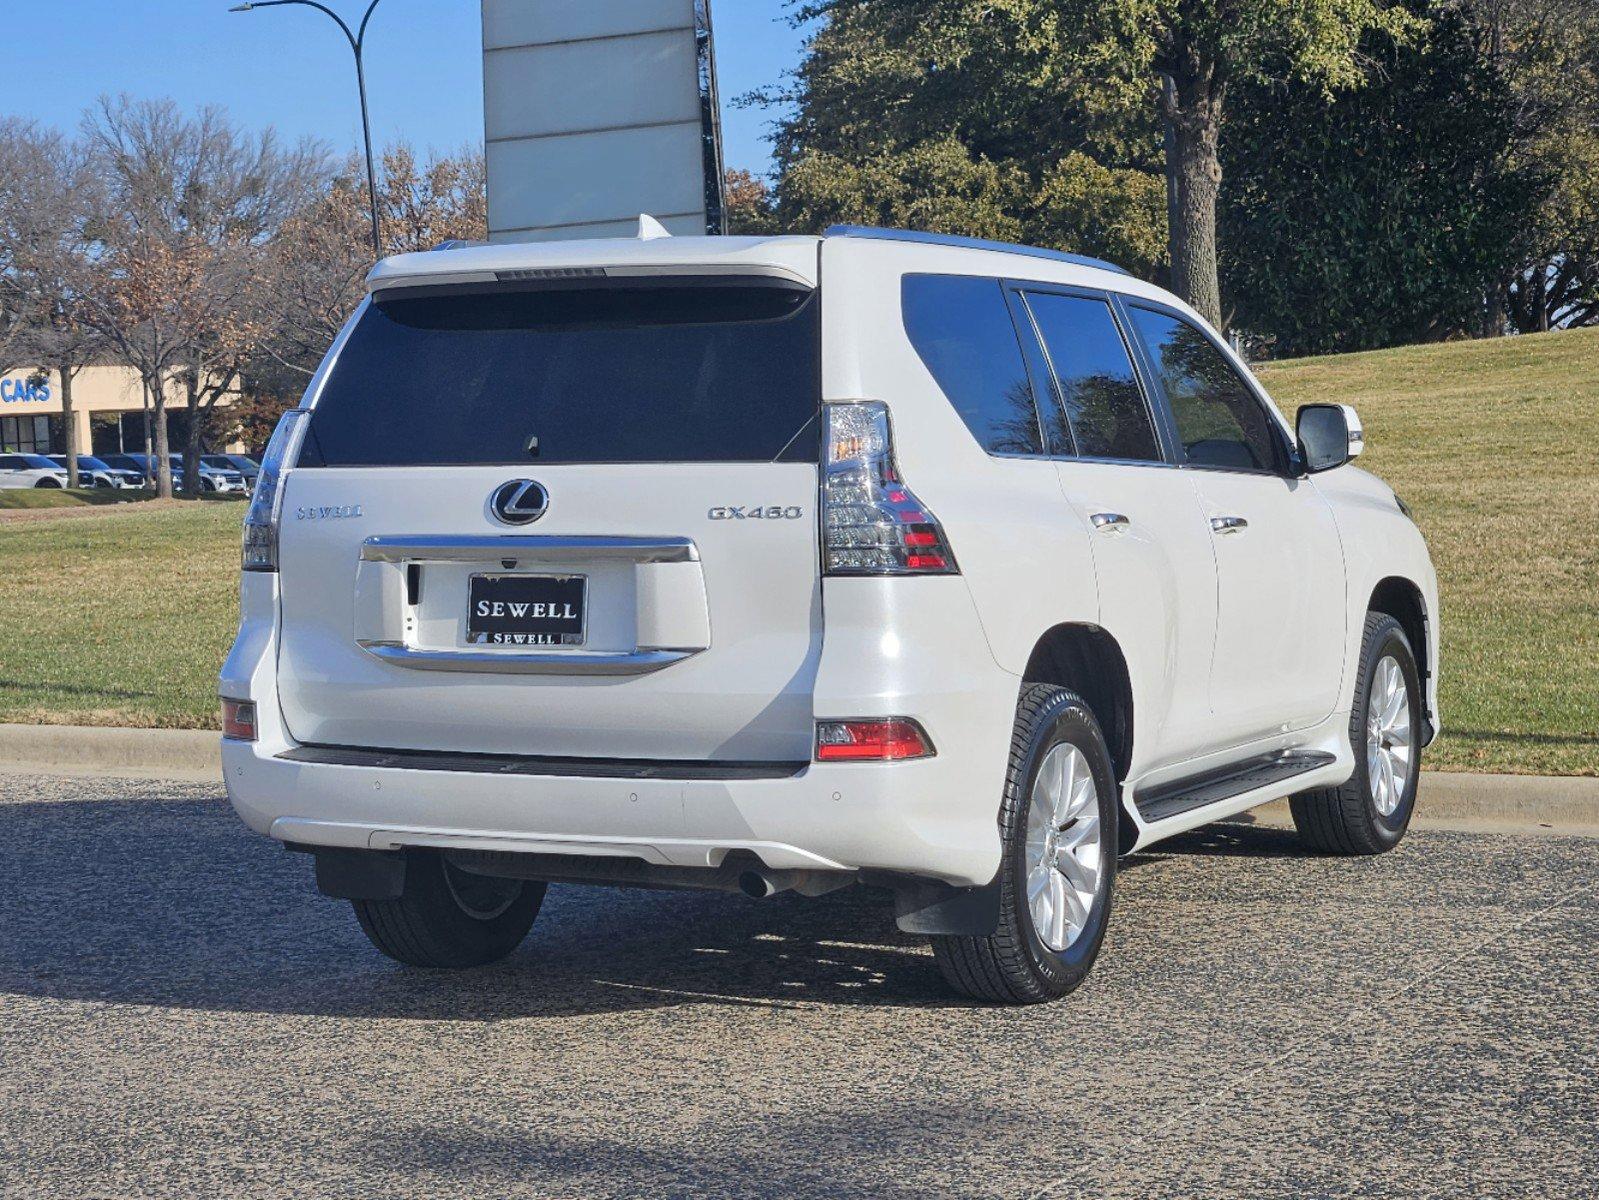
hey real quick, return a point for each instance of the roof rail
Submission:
(968, 243)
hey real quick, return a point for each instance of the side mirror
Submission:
(1329, 436)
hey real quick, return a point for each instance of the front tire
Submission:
(1370, 812)
(450, 918)
(1058, 868)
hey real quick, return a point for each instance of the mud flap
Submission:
(928, 906)
(348, 874)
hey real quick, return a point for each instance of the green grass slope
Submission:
(1495, 445)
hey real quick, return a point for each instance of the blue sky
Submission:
(290, 67)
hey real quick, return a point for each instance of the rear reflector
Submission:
(238, 720)
(888, 740)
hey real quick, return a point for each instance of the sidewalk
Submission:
(1568, 803)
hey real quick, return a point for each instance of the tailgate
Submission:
(640, 617)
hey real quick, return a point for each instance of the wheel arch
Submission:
(1403, 600)
(1088, 660)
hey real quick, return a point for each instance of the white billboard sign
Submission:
(596, 111)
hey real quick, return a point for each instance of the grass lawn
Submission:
(119, 615)
(37, 497)
(122, 615)
(1495, 445)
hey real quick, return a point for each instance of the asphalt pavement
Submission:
(182, 1015)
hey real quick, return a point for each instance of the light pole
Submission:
(357, 41)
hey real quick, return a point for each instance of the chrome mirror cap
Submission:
(1329, 435)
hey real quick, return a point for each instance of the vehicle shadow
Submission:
(173, 902)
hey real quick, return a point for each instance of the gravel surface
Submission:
(182, 1015)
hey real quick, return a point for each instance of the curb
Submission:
(1459, 799)
(1570, 801)
(185, 754)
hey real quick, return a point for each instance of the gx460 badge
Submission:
(769, 512)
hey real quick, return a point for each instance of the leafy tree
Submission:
(1547, 53)
(963, 117)
(1382, 215)
(748, 203)
(1201, 48)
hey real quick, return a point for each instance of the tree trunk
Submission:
(162, 448)
(191, 442)
(1174, 228)
(71, 426)
(1196, 128)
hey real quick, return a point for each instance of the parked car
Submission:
(142, 465)
(243, 464)
(96, 472)
(956, 568)
(211, 479)
(30, 470)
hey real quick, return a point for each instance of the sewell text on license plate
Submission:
(527, 610)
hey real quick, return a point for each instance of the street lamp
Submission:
(357, 41)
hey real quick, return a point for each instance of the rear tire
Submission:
(47, 483)
(449, 918)
(1058, 865)
(1370, 812)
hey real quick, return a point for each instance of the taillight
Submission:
(261, 521)
(889, 739)
(872, 524)
(238, 720)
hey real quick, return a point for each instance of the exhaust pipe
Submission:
(758, 885)
(760, 882)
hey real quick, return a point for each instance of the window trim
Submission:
(1164, 444)
(1288, 457)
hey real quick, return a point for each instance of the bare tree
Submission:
(47, 262)
(190, 206)
(321, 257)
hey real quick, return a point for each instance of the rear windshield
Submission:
(662, 373)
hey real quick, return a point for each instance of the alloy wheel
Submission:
(1062, 846)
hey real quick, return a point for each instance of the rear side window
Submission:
(961, 328)
(1219, 420)
(1104, 406)
(659, 373)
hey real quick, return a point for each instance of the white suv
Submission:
(950, 567)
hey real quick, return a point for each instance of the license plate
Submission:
(527, 610)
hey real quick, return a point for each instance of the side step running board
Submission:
(1212, 787)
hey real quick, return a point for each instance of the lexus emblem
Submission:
(519, 501)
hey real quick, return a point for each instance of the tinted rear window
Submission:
(663, 373)
(961, 328)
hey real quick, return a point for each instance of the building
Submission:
(108, 408)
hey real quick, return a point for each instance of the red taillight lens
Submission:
(238, 720)
(872, 524)
(888, 740)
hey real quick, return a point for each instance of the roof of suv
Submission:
(790, 256)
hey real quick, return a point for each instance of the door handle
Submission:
(1109, 522)
(1221, 525)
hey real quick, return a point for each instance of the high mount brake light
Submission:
(890, 739)
(872, 524)
(266, 503)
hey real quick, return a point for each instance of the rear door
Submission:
(1152, 555)
(1278, 659)
(576, 522)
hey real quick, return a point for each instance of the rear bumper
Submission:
(826, 817)
(933, 818)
